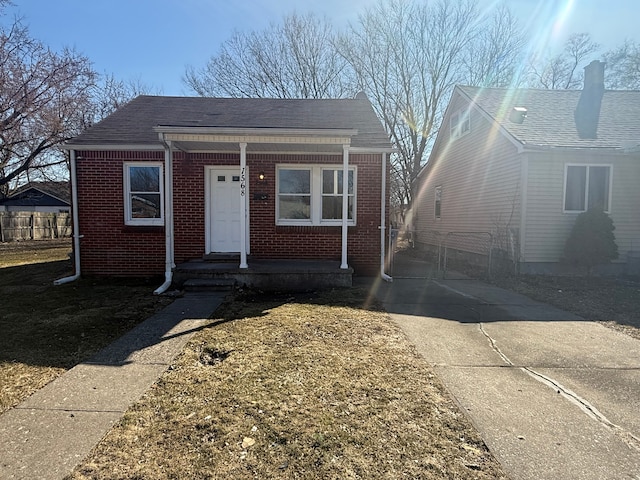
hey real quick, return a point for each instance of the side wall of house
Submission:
(108, 247)
(479, 177)
(548, 227)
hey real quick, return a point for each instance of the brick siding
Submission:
(108, 247)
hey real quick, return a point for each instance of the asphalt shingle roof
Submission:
(550, 116)
(133, 123)
(31, 194)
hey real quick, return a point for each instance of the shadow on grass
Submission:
(60, 326)
(255, 303)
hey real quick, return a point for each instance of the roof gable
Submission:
(134, 123)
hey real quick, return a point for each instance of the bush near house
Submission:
(591, 241)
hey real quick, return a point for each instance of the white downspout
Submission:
(168, 218)
(345, 204)
(76, 229)
(383, 223)
(243, 205)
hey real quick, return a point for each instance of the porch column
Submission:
(243, 206)
(345, 204)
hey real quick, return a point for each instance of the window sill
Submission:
(143, 229)
(315, 229)
(315, 225)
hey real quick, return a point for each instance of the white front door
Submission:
(224, 210)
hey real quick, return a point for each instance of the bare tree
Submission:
(494, 58)
(43, 99)
(623, 66)
(562, 72)
(409, 55)
(295, 59)
(110, 93)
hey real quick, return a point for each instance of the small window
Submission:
(222, 178)
(586, 187)
(438, 202)
(460, 123)
(143, 194)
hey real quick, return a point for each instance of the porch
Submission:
(263, 274)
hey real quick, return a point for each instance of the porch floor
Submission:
(264, 274)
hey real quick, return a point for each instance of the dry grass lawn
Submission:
(46, 330)
(306, 386)
(311, 386)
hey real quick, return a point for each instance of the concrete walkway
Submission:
(554, 396)
(52, 431)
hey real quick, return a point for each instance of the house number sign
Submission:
(243, 184)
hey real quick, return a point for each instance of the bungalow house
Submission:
(47, 197)
(517, 166)
(167, 182)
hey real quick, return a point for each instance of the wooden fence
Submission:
(34, 225)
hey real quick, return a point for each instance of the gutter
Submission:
(168, 217)
(260, 131)
(383, 225)
(76, 228)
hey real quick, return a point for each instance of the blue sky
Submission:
(154, 40)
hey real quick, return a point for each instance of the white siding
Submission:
(547, 227)
(480, 178)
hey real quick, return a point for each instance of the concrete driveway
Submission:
(554, 396)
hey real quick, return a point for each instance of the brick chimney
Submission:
(587, 112)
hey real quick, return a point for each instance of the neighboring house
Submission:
(47, 197)
(166, 180)
(37, 210)
(517, 166)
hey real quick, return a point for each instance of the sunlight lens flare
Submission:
(561, 18)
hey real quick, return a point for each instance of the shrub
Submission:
(591, 241)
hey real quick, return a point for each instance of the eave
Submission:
(120, 147)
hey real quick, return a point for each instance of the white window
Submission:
(460, 123)
(438, 202)
(587, 186)
(312, 195)
(143, 192)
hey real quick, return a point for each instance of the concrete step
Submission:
(222, 258)
(209, 284)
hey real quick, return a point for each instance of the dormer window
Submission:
(460, 123)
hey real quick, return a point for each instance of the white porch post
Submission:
(345, 204)
(243, 206)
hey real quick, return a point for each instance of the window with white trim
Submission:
(587, 186)
(460, 123)
(312, 195)
(143, 194)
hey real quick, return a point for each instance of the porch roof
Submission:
(263, 140)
